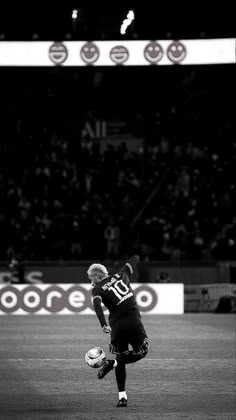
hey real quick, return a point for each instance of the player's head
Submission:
(96, 273)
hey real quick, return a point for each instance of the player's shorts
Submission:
(128, 331)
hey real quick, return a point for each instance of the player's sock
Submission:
(120, 373)
(122, 395)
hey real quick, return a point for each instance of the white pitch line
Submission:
(76, 360)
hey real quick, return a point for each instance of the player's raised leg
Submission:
(106, 368)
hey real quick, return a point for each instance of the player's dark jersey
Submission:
(116, 293)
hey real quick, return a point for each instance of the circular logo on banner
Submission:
(9, 299)
(89, 53)
(119, 54)
(146, 298)
(32, 299)
(153, 52)
(58, 53)
(78, 299)
(54, 299)
(176, 52)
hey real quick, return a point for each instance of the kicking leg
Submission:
(138, 353)
(125, 358)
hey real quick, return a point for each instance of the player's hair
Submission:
(98, 269)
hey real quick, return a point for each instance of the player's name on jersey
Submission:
(109, 283)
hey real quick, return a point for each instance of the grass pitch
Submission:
(189, 372)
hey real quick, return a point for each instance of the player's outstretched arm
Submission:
(133, 261)
(129, 267)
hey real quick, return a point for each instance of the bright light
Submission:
(126, 22)
(130, 15)
(123, 27)
(74, 14)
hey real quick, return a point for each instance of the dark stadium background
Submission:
(60, 190)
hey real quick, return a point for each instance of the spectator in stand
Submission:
(112, 236)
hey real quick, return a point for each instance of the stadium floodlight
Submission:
(126, 22)
(74, 14)
(130, 15)
(123, 27)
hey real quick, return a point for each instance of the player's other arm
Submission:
(97, 300)
(129, 267)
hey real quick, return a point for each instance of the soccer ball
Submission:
(95, 357)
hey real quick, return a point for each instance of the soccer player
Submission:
(125, 324)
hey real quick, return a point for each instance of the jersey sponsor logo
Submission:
(66, 299)
(125, 298)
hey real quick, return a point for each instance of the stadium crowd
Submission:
(62, 196)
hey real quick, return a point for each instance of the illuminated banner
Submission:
(66, 299)
(113, 53)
